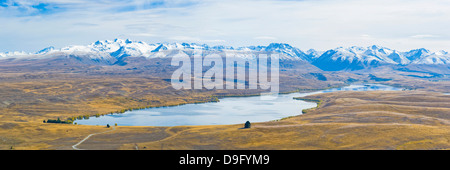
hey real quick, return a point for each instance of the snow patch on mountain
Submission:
(440, 57)
(351, 58)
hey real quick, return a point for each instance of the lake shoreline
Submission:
(83, 117)
(234, 97)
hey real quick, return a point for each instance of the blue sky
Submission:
(31, 25)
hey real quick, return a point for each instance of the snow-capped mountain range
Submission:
(352, 58)
(355, 58)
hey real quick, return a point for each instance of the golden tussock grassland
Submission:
(416, 119)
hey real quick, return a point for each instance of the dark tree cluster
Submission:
(58, 121)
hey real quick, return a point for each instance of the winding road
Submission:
(75, 146)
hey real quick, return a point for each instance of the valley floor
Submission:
(418, 118)
(344, 120)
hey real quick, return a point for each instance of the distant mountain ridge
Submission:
(355, 58)
(351, 58)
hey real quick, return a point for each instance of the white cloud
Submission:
(195, 39)
(142, 35)
(184, 38)
(264, 38)
(424, 36)
(305, 24)
(214, 41)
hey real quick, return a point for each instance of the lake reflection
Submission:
(230, 110)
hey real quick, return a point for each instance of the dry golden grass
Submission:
(346, 120)
(28, 135)
(25, 104)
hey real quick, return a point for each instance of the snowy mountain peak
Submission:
(46, 50)
(278, 46)
(375, 47)
(441, 52)
(439, 57)
(350, 58)
(422, 50)
(98, 43)
(128, 41)
(118, 40)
